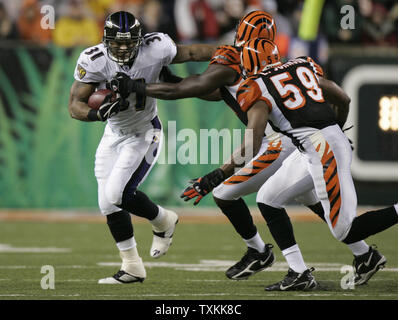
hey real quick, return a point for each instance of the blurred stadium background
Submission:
(47, 158)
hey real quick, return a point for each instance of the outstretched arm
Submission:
(258, 117)
(214, 77)
(194, 52)
(336, 96)
(257, 122)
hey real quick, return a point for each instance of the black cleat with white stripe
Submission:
(295, 281)
(367, 265)
(251, 263)
(121, 277)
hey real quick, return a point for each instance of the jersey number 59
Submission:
(285, 89)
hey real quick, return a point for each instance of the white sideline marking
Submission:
(56, 266)
(203, 265)
(221, 265)
(10, 249)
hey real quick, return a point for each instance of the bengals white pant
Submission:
(122, 163)
(325, 165)
(274, 150)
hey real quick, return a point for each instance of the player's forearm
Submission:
(194, 52)
(257, 122)
(244, 154)
(202, 52)
(79, 110)
(79, 95)
(164, 91)
(214, 96)
(187, 88)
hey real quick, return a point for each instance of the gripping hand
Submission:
(124, 85)
(108, 108)
(200, 187)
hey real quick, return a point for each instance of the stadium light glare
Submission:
(388, 113)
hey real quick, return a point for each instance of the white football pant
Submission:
(122, 163)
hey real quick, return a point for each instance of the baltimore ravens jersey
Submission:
(229, 56)
(95, 66)
(293, 95)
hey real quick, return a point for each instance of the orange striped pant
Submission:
(274, 150)
(324, 166)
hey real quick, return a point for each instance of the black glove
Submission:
(202, 186)
(107, 109)
(124, 85)
(167, 76)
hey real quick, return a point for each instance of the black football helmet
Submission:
(122, 36)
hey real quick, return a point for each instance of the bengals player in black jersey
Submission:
(291, 99)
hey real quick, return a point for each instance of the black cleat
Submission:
(251, 263)
(367, 264)
(295, 281)
(121, 277)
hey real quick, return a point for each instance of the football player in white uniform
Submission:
(133, 134)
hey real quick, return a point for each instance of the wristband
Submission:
(218, 176)
(93, 115)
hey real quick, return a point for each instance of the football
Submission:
(97, 98)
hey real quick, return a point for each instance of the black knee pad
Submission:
(226, 203)
(239, 215)
(271, 214)
(279, 225)
(318, 210)
(120, 225)
(140, 205)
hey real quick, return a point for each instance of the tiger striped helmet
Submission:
(255, 24)
(258, 55)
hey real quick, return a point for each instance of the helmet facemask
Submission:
(122, 37)
(122, 51)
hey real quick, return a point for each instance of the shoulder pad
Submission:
(226, 55)
(93, 58)
(315, 67)
(157, 39)
(91, 64)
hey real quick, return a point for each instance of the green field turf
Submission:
(193, 269)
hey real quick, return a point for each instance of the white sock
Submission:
(256, 243)
(130, 258)
(358, 248)
(396, 207)
(294, 258)
(159, 220)
(126, 244)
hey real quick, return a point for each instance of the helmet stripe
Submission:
(252, 20)
(126, 22)
(247, 20)
(248, 25)
(254, 26)
(251, 60)
(257, 51)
